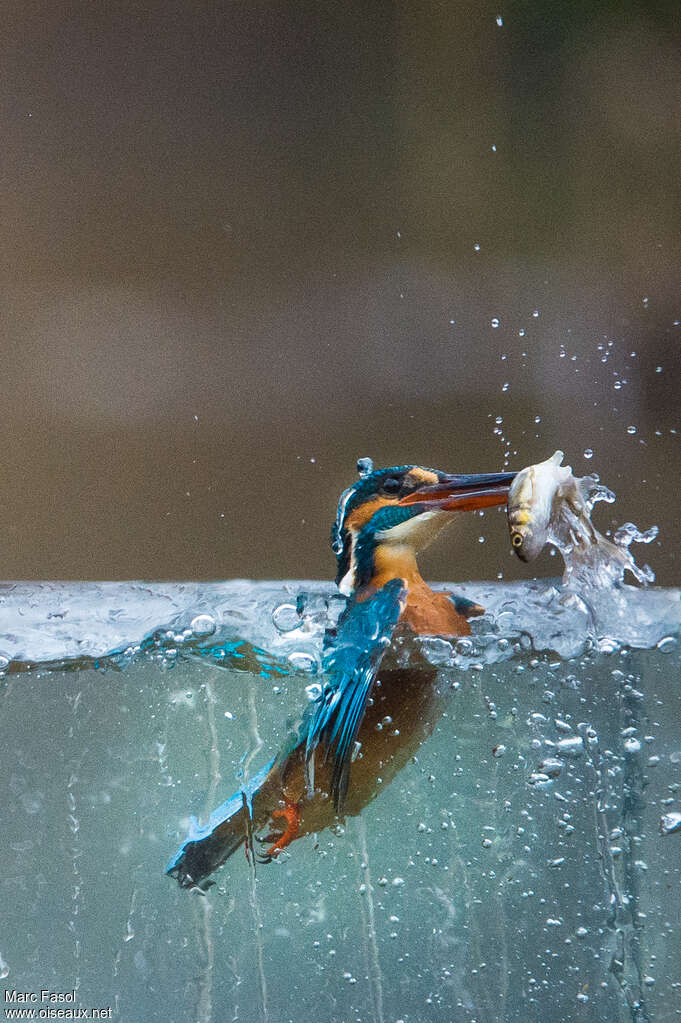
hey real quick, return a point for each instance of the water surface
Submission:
(515, 870)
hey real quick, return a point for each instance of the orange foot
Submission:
(291, 814)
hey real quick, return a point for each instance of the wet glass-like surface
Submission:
(516, 869)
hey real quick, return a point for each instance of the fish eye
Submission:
(517, 540)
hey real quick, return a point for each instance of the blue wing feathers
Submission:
(350, 664)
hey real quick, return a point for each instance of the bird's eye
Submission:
(391, 485)
(517, 540)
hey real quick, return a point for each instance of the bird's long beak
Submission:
(463, 493)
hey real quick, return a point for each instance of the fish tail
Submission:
(230, 826)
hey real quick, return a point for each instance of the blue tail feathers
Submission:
(206, 848)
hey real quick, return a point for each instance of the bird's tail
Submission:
(206, 848)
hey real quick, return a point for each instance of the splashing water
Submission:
(591, 561)
(548, 505)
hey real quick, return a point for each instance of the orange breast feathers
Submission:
(432, 614)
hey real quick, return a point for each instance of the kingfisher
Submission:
(374, 710)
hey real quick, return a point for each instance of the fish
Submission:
(542, 497)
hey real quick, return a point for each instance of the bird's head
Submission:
(400, 510)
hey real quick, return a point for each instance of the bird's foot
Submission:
(291, 814)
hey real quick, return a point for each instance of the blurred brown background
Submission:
(246, 243)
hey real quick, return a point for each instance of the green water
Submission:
(470, 890)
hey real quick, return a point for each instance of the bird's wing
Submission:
(350, 666)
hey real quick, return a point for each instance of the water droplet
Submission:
(476, 247)
(499, 750)
(535, 313)
(313, 691)
(495, 322)
(398, 882)
(537, 419)
(505, 386)
(521, 332)
(500, 20)
(499, 420)
(631, 429)
(667, 644)
(229, 715)
(588, 453)
(632, 745)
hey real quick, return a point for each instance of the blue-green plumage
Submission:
(314, 779)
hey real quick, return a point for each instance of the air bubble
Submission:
(573, 746)
(495, 322)
(670, 822)
(588, 453)
(203, 625)
(285, 618)
(302, 661)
